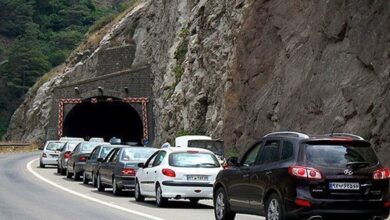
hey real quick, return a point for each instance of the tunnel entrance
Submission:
(97, 117)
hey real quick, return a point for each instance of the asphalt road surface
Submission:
(29, 192)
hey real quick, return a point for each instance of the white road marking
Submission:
(29, 168)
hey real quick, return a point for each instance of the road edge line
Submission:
(29, 168)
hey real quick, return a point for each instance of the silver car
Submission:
(65, 155)
(49, 155)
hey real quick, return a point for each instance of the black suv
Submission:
(290, 174)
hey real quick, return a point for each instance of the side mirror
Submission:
(141, 165)
(100, 160)
(233, 161)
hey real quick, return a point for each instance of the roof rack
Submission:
(345, 135)
(281, 133)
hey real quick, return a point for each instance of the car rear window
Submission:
(193, 159)
(88, 147)
(340, 155)
(137, 154)
(53, 146)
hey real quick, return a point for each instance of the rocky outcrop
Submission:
(238, 69)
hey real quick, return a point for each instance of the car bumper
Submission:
(49, 161)
(79, 167)
(126, 182)
(173, 189)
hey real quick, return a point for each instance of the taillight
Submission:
(387, 204)
(381, 174)
(82, 158)
(305, 172)
(168, 172)
(128, 171)
(225, 166)
(302, 202)
(192, 151)
(44, 155)
(67, 155)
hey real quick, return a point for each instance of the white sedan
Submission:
(177, 173)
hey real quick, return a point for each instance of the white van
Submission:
(182, 141)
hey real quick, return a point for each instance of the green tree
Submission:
(26, 63)
(15, 16)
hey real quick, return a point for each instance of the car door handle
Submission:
(268, 173)
(147, 172)
(155, 171)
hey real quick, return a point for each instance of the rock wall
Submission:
(239, 69)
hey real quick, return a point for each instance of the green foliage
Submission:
(102, 22)
(232, 152)
(197, 130)
(180, 53)
(15, 16)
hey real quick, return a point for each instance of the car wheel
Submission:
(63, 171)
(68, 174)
(94, 181)
(100, 186)
(76, 176)
(194, 201)
(274, 208)
(85, 179)
(58, 170)
(137, 194)
(115, 189)
(41, 165)
(221, 206)
(160, 200)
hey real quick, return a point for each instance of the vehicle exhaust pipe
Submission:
(178, 197)
(316, 217)
(377, 218)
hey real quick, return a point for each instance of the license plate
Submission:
(197, 177)
(344, 186)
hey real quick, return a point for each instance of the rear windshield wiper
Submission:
(358, 164)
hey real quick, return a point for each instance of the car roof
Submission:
(186, 149)
(322, 137)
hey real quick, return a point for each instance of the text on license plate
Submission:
(344, 186)
(197, 177)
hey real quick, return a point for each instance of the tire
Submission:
(194, 201)
(69, 175)
(76, 176)
(94, 181)
(115, 189)
(160, 200)
(85, 179)
(58, 170)
(137, 193)
(274, 208)
(100, 186)
(222, 207)
(63, 171)
(41, 165)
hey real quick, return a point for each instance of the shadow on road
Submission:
(176, 204)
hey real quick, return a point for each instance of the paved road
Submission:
(37, 193)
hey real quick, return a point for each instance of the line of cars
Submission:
(283, 175)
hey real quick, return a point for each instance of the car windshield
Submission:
(340, 155)
(105, 151)
(193, 159)
(88, 146)
(137, 154)
(54, 146)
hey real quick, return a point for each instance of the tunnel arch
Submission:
(104, 117)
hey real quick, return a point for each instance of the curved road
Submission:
(29, 192)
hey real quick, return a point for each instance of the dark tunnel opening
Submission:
(104, 119)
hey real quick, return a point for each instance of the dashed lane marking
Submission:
(29, 168)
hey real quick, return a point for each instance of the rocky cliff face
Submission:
(239, 69)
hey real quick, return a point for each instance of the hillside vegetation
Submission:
(37, 35)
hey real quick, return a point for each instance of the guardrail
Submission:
(17, 147)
